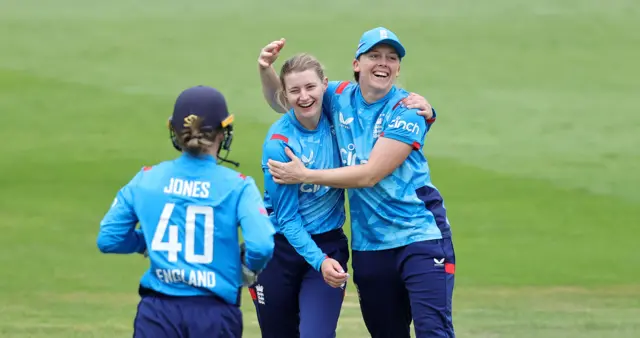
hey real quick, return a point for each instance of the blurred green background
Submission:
(536, 148)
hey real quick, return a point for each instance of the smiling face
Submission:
(304, 91)
(303, 87)
(378, 68)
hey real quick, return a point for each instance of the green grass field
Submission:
(536, 148)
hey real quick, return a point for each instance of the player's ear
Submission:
(220, 137)
(398, 73)
(325, 84)
(356, 65)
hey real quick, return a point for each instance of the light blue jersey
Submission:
(404, 207)
(189, 210)
(301, 210)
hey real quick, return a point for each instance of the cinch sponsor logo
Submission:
(309, 188)
(349, 157)
(410, 127)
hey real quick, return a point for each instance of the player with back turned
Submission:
(189, 210)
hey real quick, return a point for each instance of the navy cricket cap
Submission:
(373, 37)
(204, 102)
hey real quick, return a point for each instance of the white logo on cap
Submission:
(383, 34)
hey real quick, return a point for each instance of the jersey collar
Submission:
(295, 122)
(208, 159)
(382, 100)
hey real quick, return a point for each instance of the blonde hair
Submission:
(195, 141)
(295, 64)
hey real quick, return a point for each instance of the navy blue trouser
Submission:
(413, 282)
(292, 299)
(161, 316)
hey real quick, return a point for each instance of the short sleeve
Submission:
(406, 126)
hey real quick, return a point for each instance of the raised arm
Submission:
(268, 76)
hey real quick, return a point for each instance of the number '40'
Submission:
(173, 244)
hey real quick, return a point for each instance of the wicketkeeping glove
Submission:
(248, 277)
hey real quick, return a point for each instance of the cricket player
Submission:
(403, 256)
(189, 210)
(301, 291)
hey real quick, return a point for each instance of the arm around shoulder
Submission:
(401, 135)
(387, 155)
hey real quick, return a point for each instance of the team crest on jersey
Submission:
(377, 128)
